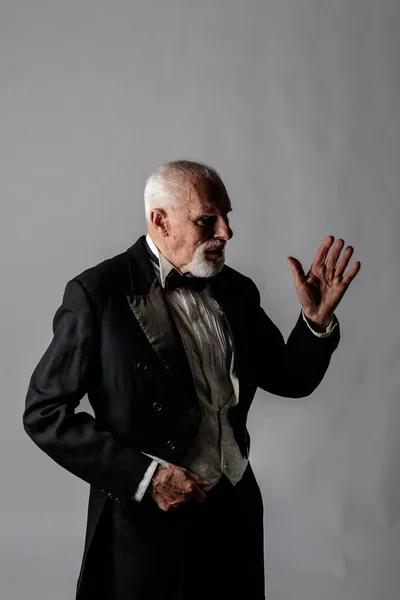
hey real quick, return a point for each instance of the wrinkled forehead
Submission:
(205, 195)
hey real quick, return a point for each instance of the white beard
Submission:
(201, 267)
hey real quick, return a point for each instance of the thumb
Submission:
(298, 272)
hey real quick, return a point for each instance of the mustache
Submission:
(214, 245)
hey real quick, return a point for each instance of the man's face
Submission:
(198, 228)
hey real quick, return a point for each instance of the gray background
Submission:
(296, 103)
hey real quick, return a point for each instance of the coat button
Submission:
(171, 444)
(141, 366)
(157, 406)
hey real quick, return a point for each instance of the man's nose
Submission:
(222, 230)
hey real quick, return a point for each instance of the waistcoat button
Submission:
(157, 406)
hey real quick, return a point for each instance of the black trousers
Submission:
(209, 550)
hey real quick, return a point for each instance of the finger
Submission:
(197, 478)
(348, 278)
(176, 501)
(344, 261)
(297, 269)
(182, 485)
(198, 494)
(193, 491)
(322, 251)
(168, 500)
(172, 501)
(334, 255)
(161, 503)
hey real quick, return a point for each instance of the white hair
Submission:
(163, 188)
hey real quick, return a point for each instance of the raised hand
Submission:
(172, 485)
(321, 289)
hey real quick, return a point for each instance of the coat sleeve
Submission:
(293, 369)
(58, 383)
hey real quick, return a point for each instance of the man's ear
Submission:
(159, 220)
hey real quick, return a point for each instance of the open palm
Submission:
(322, 288)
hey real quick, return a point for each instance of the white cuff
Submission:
(328, 331)
(144, 484)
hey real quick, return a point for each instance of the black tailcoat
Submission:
(115, 339)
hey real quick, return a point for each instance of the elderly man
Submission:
(170, 345)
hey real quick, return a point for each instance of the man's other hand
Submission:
(172, 485)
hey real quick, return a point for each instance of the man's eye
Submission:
(207, 220)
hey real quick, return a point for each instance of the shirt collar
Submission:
(165, 266)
